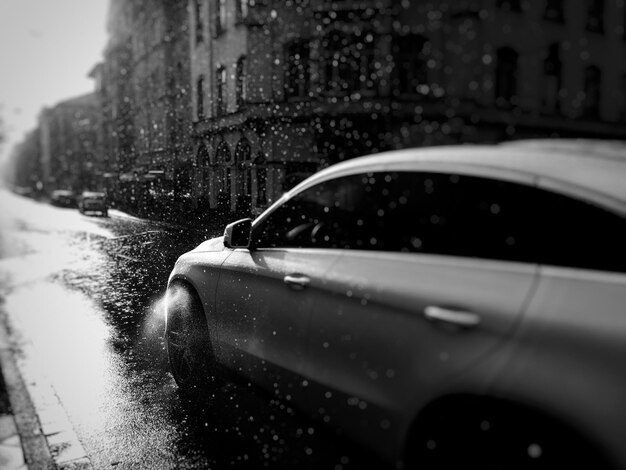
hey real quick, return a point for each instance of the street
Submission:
(81, 298)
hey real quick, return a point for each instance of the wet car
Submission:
(63, 198)
(92, 201)
(442, 306)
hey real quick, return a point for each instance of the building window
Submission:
(240, 75)
(220, 17)
(595, 16)
(554, 11)
(204, 165)
(506, 77)
(260, 164)
(242, 10)
(243, 189)
(512, 5)
(223, 160)
(200, 98)
(593, 81)
(553, 80)
(623, 107)
(220, 95)
(349, 63)
(297, 74)
(198, 20)
(410, 65)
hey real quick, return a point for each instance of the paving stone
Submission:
(7, 427)
(80, 464)
(54, 420)
(11, 455)
(65, 447)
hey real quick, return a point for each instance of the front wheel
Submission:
(187, 337)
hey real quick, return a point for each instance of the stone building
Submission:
(69, 140)
(23, 168)
(282, 88)
(143, 83)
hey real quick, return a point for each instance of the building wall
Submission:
(147, 102)
(69, 137)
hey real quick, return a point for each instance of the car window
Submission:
(451, 215)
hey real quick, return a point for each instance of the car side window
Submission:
(316, 218)
(448, 214)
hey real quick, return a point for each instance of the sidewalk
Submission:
(11, 454)
(22, 444)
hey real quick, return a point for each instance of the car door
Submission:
(435, 279)
(265, 294)
(575, 325)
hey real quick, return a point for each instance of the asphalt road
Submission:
(82, 299)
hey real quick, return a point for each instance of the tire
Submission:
(471, 434)
(189, 349)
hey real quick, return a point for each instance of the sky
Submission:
(47, 49)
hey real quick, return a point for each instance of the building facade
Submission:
(281, 89)
(143, 83)
(69, 144)
(23, 168)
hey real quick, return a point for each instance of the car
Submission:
(446, 306)
(24, 191)
(63, 198)
(93, 201)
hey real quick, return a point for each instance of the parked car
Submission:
(445, 306)
(23, 191)
(92, 201)
(63, 198)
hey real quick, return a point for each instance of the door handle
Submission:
(296, 281)
(458, 318)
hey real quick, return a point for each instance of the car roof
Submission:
(589, 166)
(92, 194)
(63, 192)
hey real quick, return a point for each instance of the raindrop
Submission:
(534, 451)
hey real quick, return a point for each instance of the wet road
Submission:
(82, 298)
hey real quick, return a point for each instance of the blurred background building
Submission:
(68, 135)
(216, 107)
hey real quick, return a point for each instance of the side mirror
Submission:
(237, 234)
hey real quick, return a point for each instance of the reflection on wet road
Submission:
(82, 297)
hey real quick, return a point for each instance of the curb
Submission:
(34, 445)
(46, 436)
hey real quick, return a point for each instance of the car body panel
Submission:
(200, 270)
(568, 352)
(369, 336)
(263, 321)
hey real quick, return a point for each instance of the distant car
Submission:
(23, 191)
(445, 307)
(91, 201)
(63, 198)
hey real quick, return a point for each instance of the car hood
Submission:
(214, 244)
